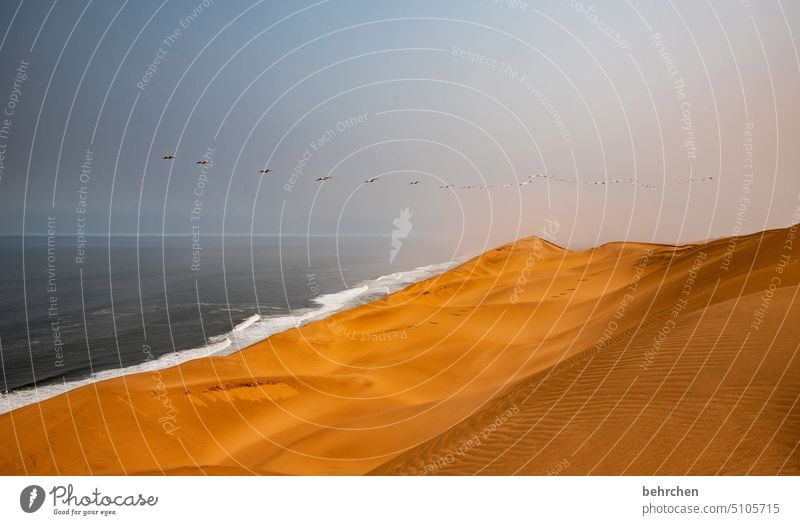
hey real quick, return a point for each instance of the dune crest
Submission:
(629, 358)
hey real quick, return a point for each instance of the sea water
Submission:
(142, 303)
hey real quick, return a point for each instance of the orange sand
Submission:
(625, 359)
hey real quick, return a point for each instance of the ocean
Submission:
(127, 304)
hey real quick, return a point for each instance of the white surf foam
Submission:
(244, 325)
(249, 331)
(25, 396)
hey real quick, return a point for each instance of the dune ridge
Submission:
(629, 358)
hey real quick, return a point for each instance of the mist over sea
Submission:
(142, 303)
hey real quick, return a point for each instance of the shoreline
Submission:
(497, 368)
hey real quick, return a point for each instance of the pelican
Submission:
(203, 162)
(264, 172)
(168, 157)
(324, 178)
(373, 179)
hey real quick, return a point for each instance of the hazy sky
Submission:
(447, 92)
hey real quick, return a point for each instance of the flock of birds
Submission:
(633, 182)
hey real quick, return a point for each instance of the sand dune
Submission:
(625, 359)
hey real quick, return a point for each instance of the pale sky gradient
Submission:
(460, 92)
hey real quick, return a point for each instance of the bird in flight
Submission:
(446, 186)
(630, 181)
(168, 157)
(203, 162)
(264, 172)
(324, 178)
(373, 179)
(413, 182)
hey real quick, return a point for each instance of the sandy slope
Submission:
(628, 358)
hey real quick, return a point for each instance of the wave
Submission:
(246, 323)
(249, 331)
(26, 396)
